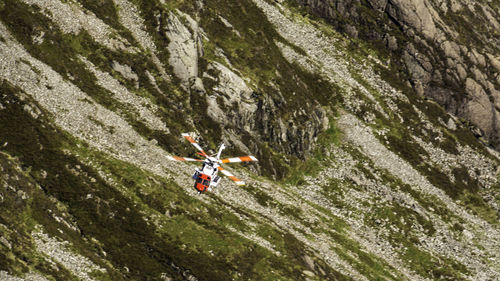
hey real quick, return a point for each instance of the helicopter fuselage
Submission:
(206, 177)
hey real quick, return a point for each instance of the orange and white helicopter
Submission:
(206, 177)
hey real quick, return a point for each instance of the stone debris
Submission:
(60, 252)
(30, 276)
(358, 193)
(71, 109)
(382, 157)
(322, 56)
(130, 17)
(477, 166)
(71, 18)
(428, 30)
(143, 107)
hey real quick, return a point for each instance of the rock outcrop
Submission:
(359, 176)
(185, 47)
(232, 103)
(449, 49)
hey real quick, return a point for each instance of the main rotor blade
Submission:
(177, 158)
(239, 159)
(193, 142)
(231, 176)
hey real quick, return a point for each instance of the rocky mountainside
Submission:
(374, 122)
(448, 51)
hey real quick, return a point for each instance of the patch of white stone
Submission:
(371, 239)
(322, 57)
(60, 251)
(75, 111)
(183, 49)
(361, 135)
(319, 243)
(477, 165)
(71, 17)
(31, 276)
(140, 105)
(130, 17)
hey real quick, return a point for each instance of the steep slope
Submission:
(359, 177)
(446, 50)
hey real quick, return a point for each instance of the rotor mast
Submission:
(222, 146)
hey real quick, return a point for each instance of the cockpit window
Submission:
(205, 182)
(199, 180)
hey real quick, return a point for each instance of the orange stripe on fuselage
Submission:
(190, 139)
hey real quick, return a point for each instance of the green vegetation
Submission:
(367, 264)
(255, 54)
(334, 191)
(118, 216)
(425, 264)
(107, 12)
(317, 158)
(17, 223)
(398, 140)
(405, 220)
(60, 51)
(139, 225)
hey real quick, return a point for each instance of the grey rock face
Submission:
(391, 42)
(184, 49)
(236, 105)
(126, 72)
(480, 109)
(446, 49)
(235, 94)
(231, 102)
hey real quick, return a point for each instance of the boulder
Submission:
(391, 42)
(234, 96)
(494, 62)
(451, 49)
(126, 71)
(480, 110)
(451, 124)
(415, 14)
(415, 68)
(462, 73)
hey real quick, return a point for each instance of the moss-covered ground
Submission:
(139, 226)
(126, 217)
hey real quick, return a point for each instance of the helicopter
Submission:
(206, 177)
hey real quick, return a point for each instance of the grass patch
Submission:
(60, 52)
(194, 236)
(108, 13)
